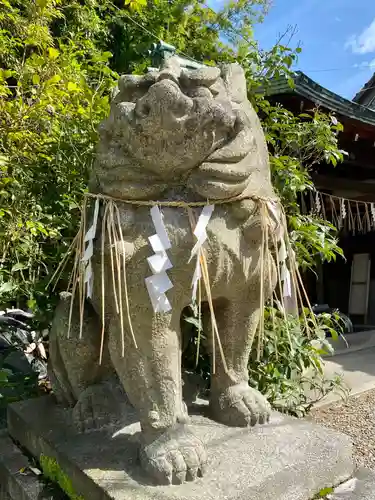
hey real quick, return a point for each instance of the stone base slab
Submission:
(288, 459)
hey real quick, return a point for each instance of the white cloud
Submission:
(363, 43)
(365, 64)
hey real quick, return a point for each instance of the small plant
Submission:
(324, 492)
(290, 372)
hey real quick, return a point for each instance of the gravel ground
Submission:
(356, 418)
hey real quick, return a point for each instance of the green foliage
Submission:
(127, 29)
(54, 94)
(15, 386)
(297, 144)
(195, 356)
(290, 371)
(54, 473)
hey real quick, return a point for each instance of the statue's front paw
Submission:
(240, 406)
(173, 457)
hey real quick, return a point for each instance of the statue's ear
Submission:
(234, 80)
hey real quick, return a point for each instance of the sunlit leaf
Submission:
(53, 53)
(73, 87)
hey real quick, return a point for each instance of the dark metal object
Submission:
(162, 51)
(16, 336)
(343, 323)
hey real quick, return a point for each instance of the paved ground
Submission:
(356, 363)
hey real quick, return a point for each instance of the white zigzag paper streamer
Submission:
(201, 235)
(318, 205)
(343, 209)
(372, 208)
(285, 276)
(89, 250)
(159, 263)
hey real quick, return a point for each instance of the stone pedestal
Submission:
(287, 459)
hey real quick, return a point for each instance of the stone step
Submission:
(360, 487)
(288, 459)
(15, 484)
(17, 480)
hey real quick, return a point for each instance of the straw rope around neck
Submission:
(179, 203)
(112, 232)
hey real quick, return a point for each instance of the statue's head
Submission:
(176, 127)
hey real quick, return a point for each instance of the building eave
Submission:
(320, 96)
(368, 87)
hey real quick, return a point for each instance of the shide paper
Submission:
(159, 283)
(201, 235)
(285, 276)
(89, 250)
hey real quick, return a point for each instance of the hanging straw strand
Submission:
(109, 223)
(81, 276)
(199, 320)
(124, 276)
(74, 282)
(116, 239)
(103, 281)
(206, 281)
(263, 211)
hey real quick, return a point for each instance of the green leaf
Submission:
(6, 287)
(73, 87)
(54, 79)
(18, 267)
(325, 491)
(3, 160)
(36, 79)
(193, 321)
(53, 53)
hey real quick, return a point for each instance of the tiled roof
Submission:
(307, 88)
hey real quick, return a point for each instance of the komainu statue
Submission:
(176, 139)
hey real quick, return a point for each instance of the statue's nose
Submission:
(164, 99)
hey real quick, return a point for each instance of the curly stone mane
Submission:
(179, 133)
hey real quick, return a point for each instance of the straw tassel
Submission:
(262, 304)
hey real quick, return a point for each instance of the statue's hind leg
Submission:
(151, 376)
(74, 353)
(76, 377)
(232, 401)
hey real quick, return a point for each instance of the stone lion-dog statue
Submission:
(189, 136)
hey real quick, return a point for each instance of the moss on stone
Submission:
(54, 473)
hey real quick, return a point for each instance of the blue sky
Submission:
(337, 38)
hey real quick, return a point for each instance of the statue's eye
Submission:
(145, 109)
(216, 88)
